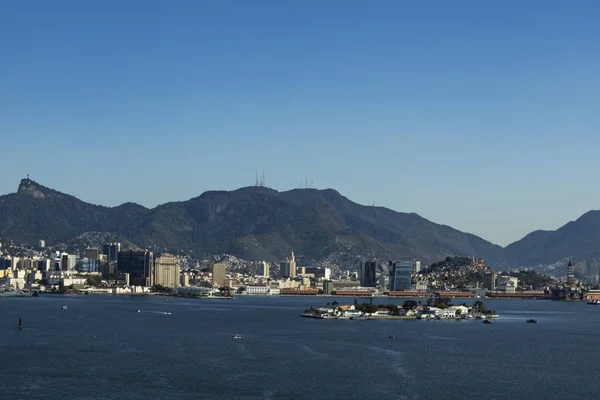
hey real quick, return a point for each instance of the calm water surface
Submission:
(100, 348)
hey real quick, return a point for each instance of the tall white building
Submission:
(417, 266)
(263, 269)
(167, 270)
(288, 267)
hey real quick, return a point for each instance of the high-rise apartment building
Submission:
(263, 269)
(111, 251)
(68, 262)
(92, 254)
(416, 267)
(219, 275)
(327, 287)
(368, 273)
(401, 275)
(288, 267)
(138, 264)
(489, 281)
(43, 265)
(167, 270)
(570, 274)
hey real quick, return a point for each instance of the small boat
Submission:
(531, 321)
(593, 302)
(137, 311)
(64, 307)
(487, 321)
(20, 324)
(237, 337)
(391, 337)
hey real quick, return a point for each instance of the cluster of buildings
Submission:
(111, 269)
(350, 311)
(400, 275)
(123, 271)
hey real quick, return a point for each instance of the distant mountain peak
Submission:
(35, 190)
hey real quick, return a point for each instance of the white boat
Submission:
(237, 337)
(64, 307)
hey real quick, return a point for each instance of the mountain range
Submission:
(258, 223)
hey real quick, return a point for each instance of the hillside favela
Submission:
(56, 244)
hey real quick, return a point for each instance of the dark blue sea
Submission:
(101, 348)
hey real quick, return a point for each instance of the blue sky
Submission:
(479, 115)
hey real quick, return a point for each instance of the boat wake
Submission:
(157, 312)
(441, 337)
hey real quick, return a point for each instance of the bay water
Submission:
(100, 347)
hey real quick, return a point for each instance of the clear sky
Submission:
(481, 115)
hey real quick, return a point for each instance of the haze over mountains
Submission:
(258, 223)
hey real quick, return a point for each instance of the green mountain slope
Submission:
(252, 223)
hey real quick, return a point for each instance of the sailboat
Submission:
(20, 324)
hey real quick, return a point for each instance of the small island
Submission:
(436, 308)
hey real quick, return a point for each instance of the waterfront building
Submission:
(262, 290)
(167, 270)
(327, 287)
(138, 264)
(219, 275)
(489, 281)
(507, 284)
(368, 274)
(111, 251)
(401, 275)
(345, 284)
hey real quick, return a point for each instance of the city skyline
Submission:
(477, 116)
